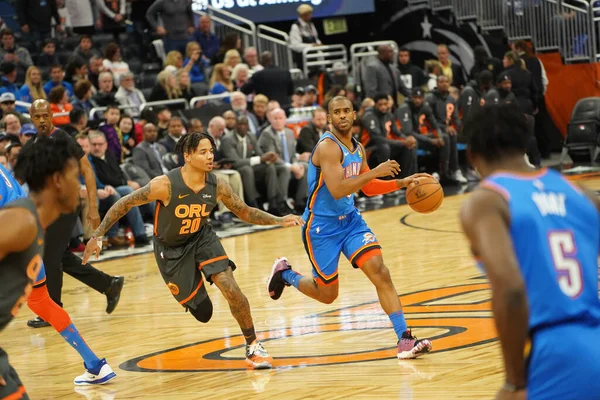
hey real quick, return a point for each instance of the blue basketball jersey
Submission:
(555, 232)
(9, 187)
(320, 201)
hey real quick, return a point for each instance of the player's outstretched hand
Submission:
(291, 220)
(388, 168)
(93, 247)
(402, 183)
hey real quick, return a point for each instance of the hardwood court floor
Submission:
(338, 351)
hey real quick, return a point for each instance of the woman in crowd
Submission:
(173, 61)
(82, 93)
(126, 126)
(165, 88)
(232, 58)
(220, 81)
(113, 62)
(198, 64)
(59, 103)
(182, 77)
(76, 70)
(32, 90)
(240, 75)
(231, 41)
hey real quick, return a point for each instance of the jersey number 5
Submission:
(568, 268)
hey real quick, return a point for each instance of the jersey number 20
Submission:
(570, 279)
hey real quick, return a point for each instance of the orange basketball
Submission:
(424, 195)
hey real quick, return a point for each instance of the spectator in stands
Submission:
(175, 132)
(3, 159)
(113, 62)
(35, 18)
(126, 126)
(231, 41)
(239, 105)
(251, 59)
(223, 170)
(94, 70)
(311, 96)
(173, 61)
(129, 95)
(274, 82)
(112, 16)
(32, 90)
(110, 129)
(502, 93)
(12, 127)
(165, 88)
(17, 55)
(105, 94)
(163, 116)
(28, 132)
(195, 62)
(220, 81)
(83, 96)
(298, 98)
(523, 85)
(281, 140)
(240, 75)
(454, 72)
(78, 120)
(255, 167)
(352, 95)
(230, 122)
(303, 33)
(411, 75)
(177, 22)
(7, 105)
(7, 81)
(334, 90)
(383, 77)
(4, 141)
(59, 103)
(81, 13)
(182, 79)
(484, 62)
(209, 42)
(48, 56)
(77, 70)
(232, 58)
(446, 114)
(311, 133)
(196, 125)
(433, 70)
(471, 98)
(259, 113)
(12, 151)
(385, 141)
(56, 79)
(148, 154)
(109, 173)
(85, 50)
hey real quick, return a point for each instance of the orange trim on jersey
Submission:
(311, 254)
(522, 175)
(313, 195)
(156, 218)
(367, 256)
(493, 186)
(366, 246)
(40, 282)
(212, 260)
(191, 296)
(319, 281)
(16, 395)
(335, 139)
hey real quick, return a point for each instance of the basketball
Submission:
(424, 195)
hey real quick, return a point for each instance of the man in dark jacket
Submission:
(35, 18)
(471, 97)
(483, 62)
(446, 114)
(274, 82)
(411, 75)
(177, 22)
(502, 93)
(311, 133)
(386, 142)
(175, 128)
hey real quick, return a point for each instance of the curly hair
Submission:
(190, 141)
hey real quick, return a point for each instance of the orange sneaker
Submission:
(257, 357)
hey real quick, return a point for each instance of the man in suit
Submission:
(311, 133)
(281, 140)
(255, 167)
(274, 82)
(175, 128)
(454, 72)
(148, 154)
(383, 77)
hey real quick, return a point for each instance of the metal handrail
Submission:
(164, 103)
(214, 13)
(325, 55)
(25, 104)
(284, 35)
(209, 97)
(94, 110)
(281, 48)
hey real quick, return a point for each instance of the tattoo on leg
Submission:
(238, 303)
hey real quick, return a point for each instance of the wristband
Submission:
(510, 388)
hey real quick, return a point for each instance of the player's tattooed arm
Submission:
(249, 214)
(157, 189)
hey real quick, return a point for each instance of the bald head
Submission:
(386, 53)
(150, 132)
(216, 127)
(41, 116)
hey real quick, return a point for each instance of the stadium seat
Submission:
(582, 131)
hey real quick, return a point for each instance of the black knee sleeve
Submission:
(203, 311)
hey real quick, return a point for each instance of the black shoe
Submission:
(275, 283)
(275, 211)
(299, 209)
(284, 209)
(141, 241)
(37, 322)
(113, 293)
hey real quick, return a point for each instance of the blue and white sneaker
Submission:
(102, 374)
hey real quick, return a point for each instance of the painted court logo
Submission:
(460, 316)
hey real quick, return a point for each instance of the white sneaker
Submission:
(99, 376)
(459, 177)
(436, 176)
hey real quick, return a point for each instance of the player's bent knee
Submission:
(328, 294)
(203, 311)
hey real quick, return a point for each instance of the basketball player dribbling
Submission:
(338, 169)
(54, 189)
(186, 246)
(537, 237)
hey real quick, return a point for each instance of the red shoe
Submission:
(257, 357)
(411, 347)
(275, 283)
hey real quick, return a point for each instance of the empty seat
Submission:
(583, 129)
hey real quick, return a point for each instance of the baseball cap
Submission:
(311, 88)
(417, 92)
(299, 91)
(7, 97)
(503, 77)
(28, 129)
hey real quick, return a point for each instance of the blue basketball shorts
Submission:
(325, 238)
